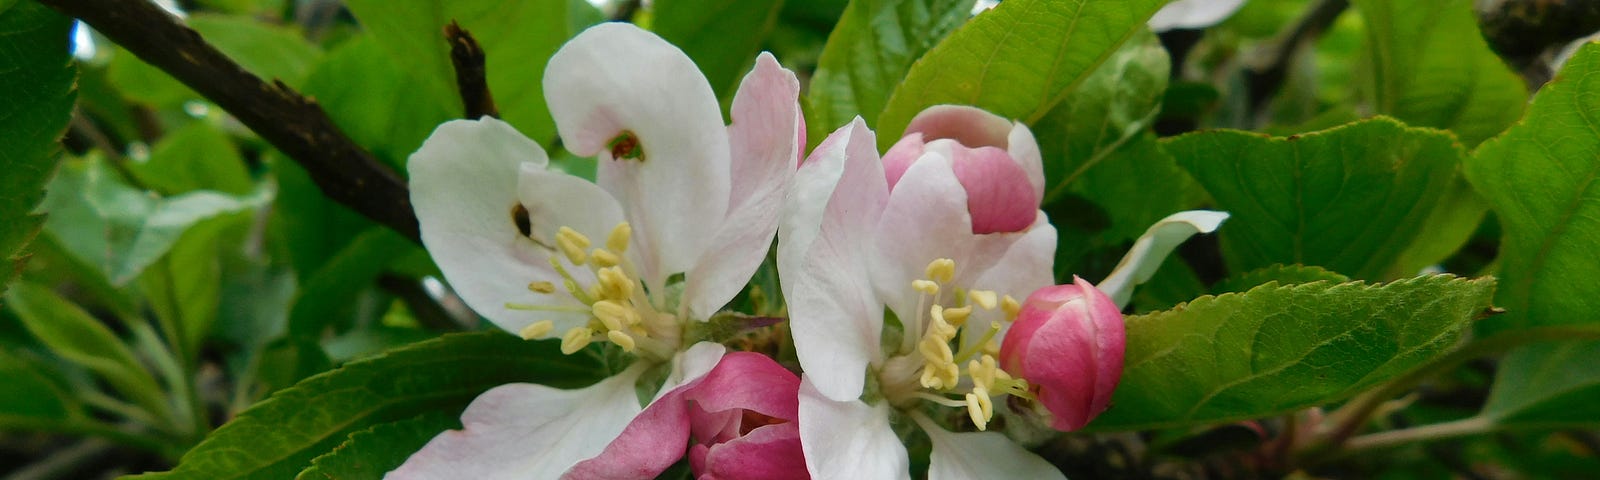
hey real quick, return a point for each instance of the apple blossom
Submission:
(1067, 342)
(741, 416)
(929, 235)
(538, 251)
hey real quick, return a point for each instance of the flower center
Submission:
(928, 368)
(619, 311)
(625, 146)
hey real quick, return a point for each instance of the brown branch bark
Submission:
(294, 124)
(471, 75)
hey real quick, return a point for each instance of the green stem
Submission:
(1425, 433)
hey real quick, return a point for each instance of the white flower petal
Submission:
(690, 364)
(766, 143)
(464, 188)
(982, 455)
(1026, 266)
(925, 219)
(1152, 248)
(834, 317)
(522, 430)
(615, 78)
(848, 439)
(1193, 14)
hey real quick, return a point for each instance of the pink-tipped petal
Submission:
(1067, 342)
(1025, 151)
(972, 126)
(514, 430)
(1000, 196)
(769, 452)
(617, 90)
(835, 319)
(766, 134)
(900, 156)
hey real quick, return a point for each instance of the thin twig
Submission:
(289, 121)
(471, 75)
(1425, 433)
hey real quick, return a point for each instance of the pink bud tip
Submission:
(1067, 342)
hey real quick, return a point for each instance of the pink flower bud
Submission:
(1067, 343)
(1001, 194)
(737, 421)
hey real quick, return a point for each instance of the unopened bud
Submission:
(1067, 343)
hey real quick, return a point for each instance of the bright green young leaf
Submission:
(1540, 179)
(722, 36)
(185, 286)
(197, 156)
(1351, 199)
(279, 437)
(268, 50)
(1283, 274)
(376, 102)
(74, 335)
(517, 38)
(1017, 60)
(1548, 385)
(1430, 67)
(1114, 104)
(334, 286)
(370, 453)
(1279, 348)
(36, 75)
(30, 399)
(867, 55)
(121, 230)
(581, 15)
(313, 227)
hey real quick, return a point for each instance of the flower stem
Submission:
(1426, 433)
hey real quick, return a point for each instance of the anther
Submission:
(984, 298)
(614, 315)
(975, 410)
(617, 241)
(542, 287)
(604, 258)
(925, 286)
(1011, 307)
(572, 245)
(941, 270)
(957, 316)
(622, 340)
(537, 329)
(575, 340)
(614, 284)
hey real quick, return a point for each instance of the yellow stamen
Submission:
(957, 316)
(614, 315)
(617, 241)
(984, 298)
(604, 258)
(1011, 307)
(975, 410)
(575, 340)
(572, 245)
(537, 329)
(927, 287)
(941, 270)
(621, 339)
(614, 284)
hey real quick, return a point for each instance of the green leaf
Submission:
(1351, 199)
(121, 230)
(184, 287)
(37, 75)
(267, 50)
(721, 36)
(197, 156)
(1280, 348)
(1430, 67)
(1283, 274)
(375, 101)
(74, 335)
(1017, 60)
(1547, 385)
(1540, 179)
(517, 37)
(279, 437)
(371, 453)
(29, 398)
(313, 227)
(334, 286)
(867, 55)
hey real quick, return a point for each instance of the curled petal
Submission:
(1068, 344)
(1025, 150)
(769, 452)
(1193, 14)
(512, 430)
(768, 135)
(646, 111)
(1142, 261)
(971, 126)
(465, 190)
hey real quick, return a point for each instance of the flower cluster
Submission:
(918, 283)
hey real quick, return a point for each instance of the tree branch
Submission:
(294, 124)
(471, 76)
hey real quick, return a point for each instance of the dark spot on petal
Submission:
(626, 146)
(752, 420)
(519, 216)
